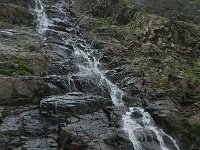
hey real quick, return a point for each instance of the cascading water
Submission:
(132, 125)
(89, 67)
(42, 20)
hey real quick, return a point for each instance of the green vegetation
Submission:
(125, 2)
(5, 1)
(193, 74)
(23, 67)
(195, 1)
(16, 94)
(191, 93)
(6, 71)
(196, 130)
(99, 22)
(17, 66)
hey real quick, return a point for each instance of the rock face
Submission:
(24, 128)
(32, 67)
(16, 13)
(21, 90)
(158, 59)
(73, 104)
(90, 132)
(86, 121)
(151, 53)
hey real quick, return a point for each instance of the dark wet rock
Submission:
(126, 16)
(1, 114)
(148, 139)
(91, 85)
(133, 101)
(118, 140)
(60, 84)
(54, 89)
(165, 115)
(60, 68)
(75, 103)
(27, 130)
(93, 131)
(169, 142)
(136, 114)
(98, 45)
(114, 114)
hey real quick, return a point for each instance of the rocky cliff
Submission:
(150, 49)
(153, 51)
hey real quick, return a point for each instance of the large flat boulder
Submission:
(75, 103)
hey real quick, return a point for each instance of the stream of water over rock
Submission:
(136, 122)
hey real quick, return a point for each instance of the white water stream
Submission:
(41, 20)
(89, 66)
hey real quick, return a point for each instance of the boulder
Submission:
(95, 131)
(21, 90)
(27, 130)
(74, 103)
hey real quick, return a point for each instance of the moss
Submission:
(195, 1)
(23, 67)
(190, 93)
(43, 73)
(6, 72)
(16, 94)
(193, 75)
(5, 1)
(125, 2)
(173, 67)
(196, 130)
(164, 81)
(99, 22)
(17, 66)
(189, 25)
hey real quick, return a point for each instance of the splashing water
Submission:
(131, 125)
(89, 67)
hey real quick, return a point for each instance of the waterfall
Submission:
(88, 66)
(42, 20)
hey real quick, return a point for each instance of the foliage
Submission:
(196, 130)
(193, 74)
(17, 66)
(125, 2)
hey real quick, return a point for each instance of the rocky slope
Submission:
(34, 65)
(152, 49)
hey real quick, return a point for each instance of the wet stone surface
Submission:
(27, 130)
(95, 131)
(75, 103)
